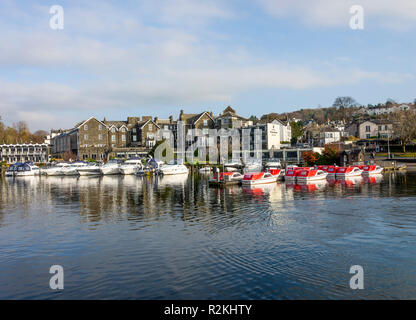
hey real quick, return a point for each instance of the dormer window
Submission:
(113, 129)
(205, 122)
(123, 129)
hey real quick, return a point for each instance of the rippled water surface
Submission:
(178, 238)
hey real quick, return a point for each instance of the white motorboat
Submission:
(232, 166)
(91, 169)
(25, 170)
(55, 170)
(111, 167)
(252, 166)
(72, 169)
(273, 165)
(170, 169)
(258, 178)
(131, 166)
(12, 169)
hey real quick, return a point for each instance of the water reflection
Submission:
(177, 237)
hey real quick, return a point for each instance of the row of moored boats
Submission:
(112, 167)
(295, 174)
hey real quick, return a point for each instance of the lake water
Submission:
(178, 238)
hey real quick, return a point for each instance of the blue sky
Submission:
(137, 58)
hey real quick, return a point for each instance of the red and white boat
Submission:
(311, 175)
(332, 170)
(258, 178)
(325, 168)
(278, 173)
(293, 172)
(346, 172)
(369, 170)
(227, 177)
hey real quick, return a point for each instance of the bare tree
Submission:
(404, 126)
(344, 102)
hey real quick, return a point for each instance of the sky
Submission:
(116, 59)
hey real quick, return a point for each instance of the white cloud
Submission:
(398, 14)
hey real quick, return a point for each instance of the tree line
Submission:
(19, 133)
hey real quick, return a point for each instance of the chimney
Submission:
(180, 115)
(156, 119)
(171, 119)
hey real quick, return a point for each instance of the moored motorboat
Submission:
(72, 169)
(131, 166)
(111, 167)
(369, 170)
(91, 169)
(278, 173)
(55, 170)
(170, 169)
(12, 169)
(258, 178)
(232, 166)
(311, 175)
(25, 170)
(345, 172)
(226, 178)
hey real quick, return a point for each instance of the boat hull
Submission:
(259, 181)
(95, 172)
(110, 171)
(128, 170)
(369, 173)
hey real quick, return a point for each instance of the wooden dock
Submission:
(390, 165)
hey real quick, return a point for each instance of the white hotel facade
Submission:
(12, 153)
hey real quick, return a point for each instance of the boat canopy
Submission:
(253, 176)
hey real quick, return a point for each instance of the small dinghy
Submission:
(311, 175)
(346, 172)
(369, 170)
(258, 178)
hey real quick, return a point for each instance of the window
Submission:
(166, 127)
(367, 129)
(123, 138)
(113, 138)
(100, 127)
(113, 130)
(205, 131)
(368, 136)
(94, 156)
(123, 130)
(134, 138)
(100, 137)
(86, 127)
(85, 136)
(379, 128)
(134, 130)
(385, 127)
(150, 127)
(205, 122)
